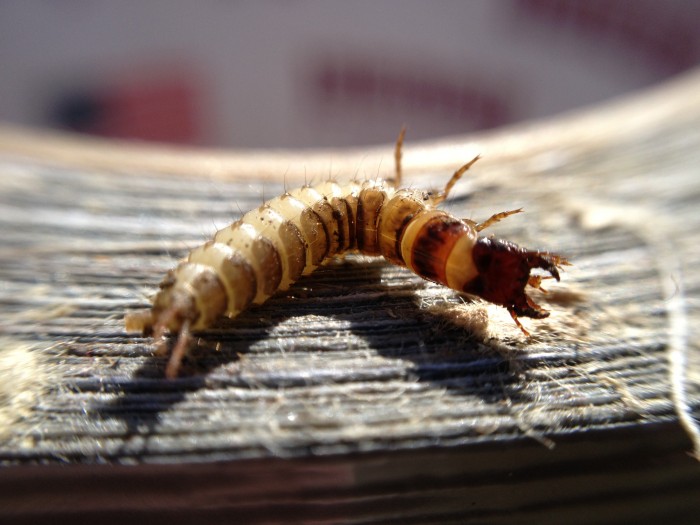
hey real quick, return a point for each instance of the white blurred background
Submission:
(312, 73)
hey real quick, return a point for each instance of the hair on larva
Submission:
(270, 247)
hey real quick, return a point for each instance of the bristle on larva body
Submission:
(269, 248)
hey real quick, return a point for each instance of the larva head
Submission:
(504, 272)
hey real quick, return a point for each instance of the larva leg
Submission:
(536, 281)
(517, 322)
(533, 306)
(440, 197)
(398, 154)
(496, 217)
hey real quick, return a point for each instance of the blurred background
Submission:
(311, 73)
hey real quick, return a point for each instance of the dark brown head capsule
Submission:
(504, 272)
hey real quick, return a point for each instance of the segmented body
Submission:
(271, 247)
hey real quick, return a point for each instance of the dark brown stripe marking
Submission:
(433, 245)
(399, 237)
(325, 213)
(340, 217)
(312, 230)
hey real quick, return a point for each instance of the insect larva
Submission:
(270, 247)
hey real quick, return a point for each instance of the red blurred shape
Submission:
(161, 107)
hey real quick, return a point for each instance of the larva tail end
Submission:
(174, 311)
(504, 273)
(190, 298)
(144, 321)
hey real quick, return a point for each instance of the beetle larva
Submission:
(270, 247)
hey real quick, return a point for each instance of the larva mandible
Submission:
(270, 247)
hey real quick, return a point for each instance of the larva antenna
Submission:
(442, 196)
(496, 217)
